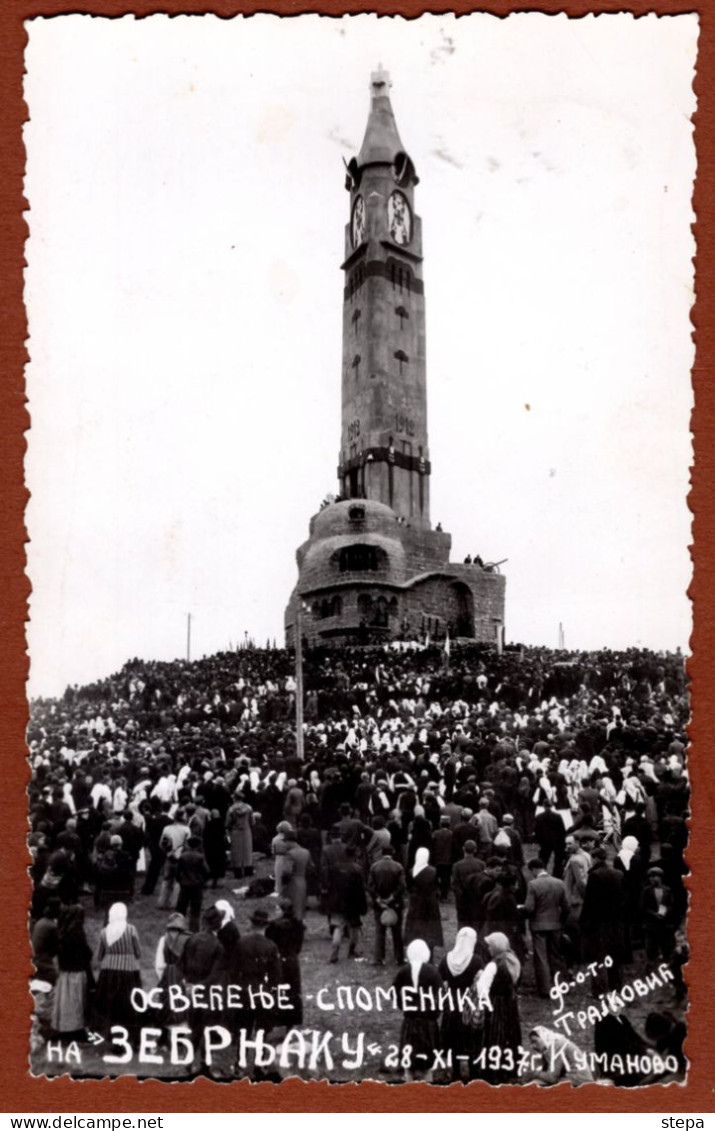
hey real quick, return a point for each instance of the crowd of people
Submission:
(498, 819)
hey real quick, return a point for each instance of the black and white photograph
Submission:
(360, 391)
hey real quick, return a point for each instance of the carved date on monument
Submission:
(353, 430)
(404, 424)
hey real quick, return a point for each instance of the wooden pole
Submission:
(299, 681)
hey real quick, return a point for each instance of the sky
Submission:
(187, 205)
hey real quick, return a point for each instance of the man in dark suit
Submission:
(331, 860)
(602, 921)
(441, 855)
(157, 820)
(547, 908)
(477, 887)
(191, 874)
(550, 835)
(387, 885)
(463, 832)
(659, 917)
(461, 872)
(256, 967)
(133, 840)
(201, 964)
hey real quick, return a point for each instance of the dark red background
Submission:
(23, 1093)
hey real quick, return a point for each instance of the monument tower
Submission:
(372, 567)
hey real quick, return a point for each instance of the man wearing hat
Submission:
(658, 917)
(288, 933)
(463, 832)
(202, 954)
(201, 962)
(257, 966)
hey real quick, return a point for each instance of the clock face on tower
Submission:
(399, 218)
(357, 227)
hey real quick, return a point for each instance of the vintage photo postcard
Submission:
(360, 391)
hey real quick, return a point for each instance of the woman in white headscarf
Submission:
(458, 971)
(626, 854)
(228, 933)
(559, 1058)
(423, 920)
(496, 992)
(118, 956)
(419, 1035)
(632, 796)
(629, 862)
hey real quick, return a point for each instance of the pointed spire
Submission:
(382, 141)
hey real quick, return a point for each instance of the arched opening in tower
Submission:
(463, 609)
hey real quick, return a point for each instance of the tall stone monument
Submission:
(373, 568)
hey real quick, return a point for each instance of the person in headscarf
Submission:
(423, 920)
(167, 960)
(419, 1035)
(118, 955)
(239, 823)
(629, 862)
(74, 961)
(458, 970)
(41, 1029)
(559, 1058)
(279, 851)
(420, 835)
(632, 797)
(228, 933)
(496, 991)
